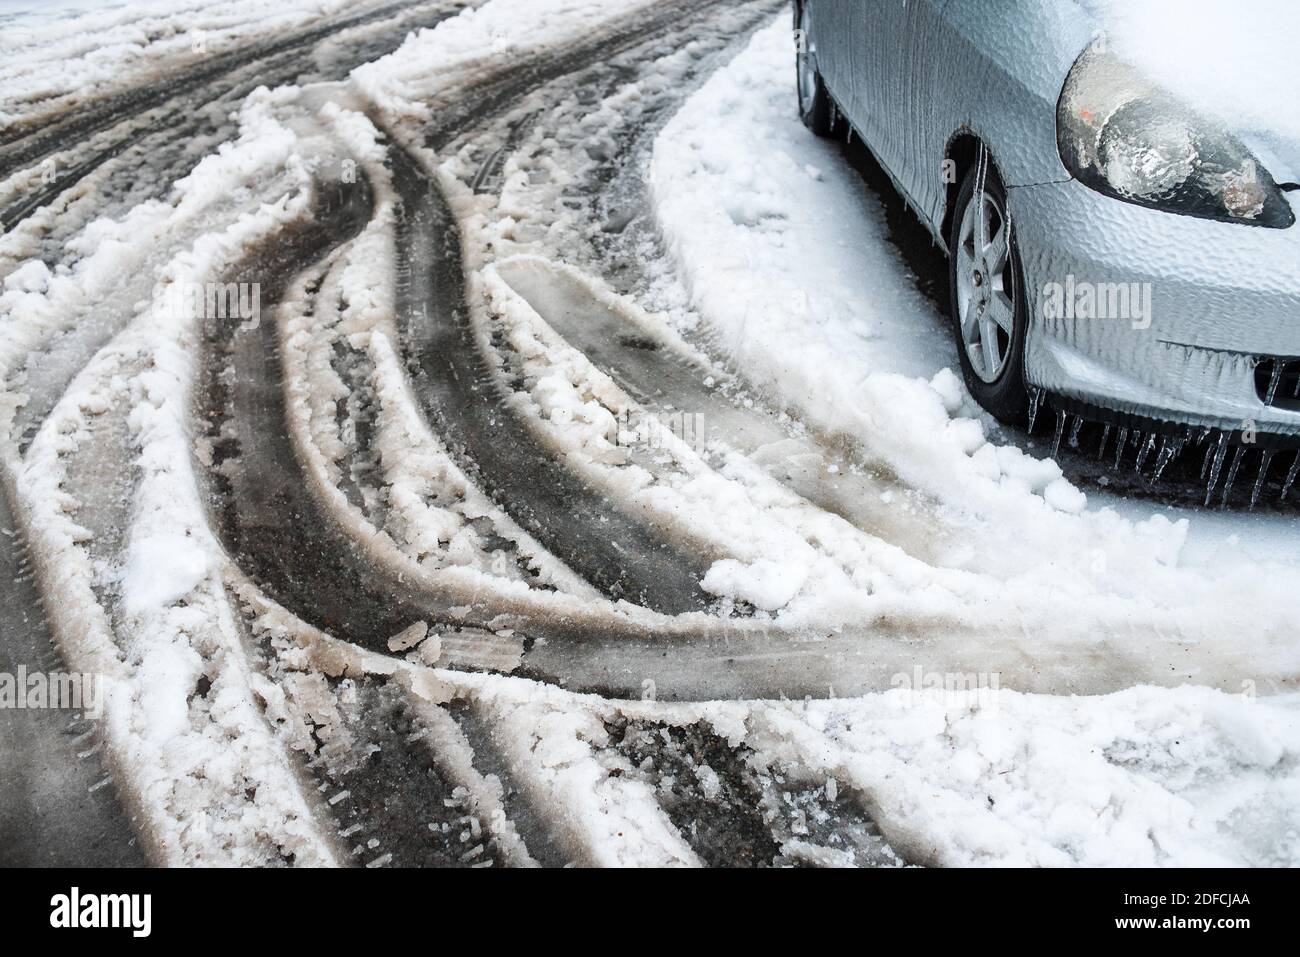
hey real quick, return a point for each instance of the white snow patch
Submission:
(162, 569)
(765, 584)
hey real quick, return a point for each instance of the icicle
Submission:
(1060, 432)
(1219, 452)
(1105, 437)
(1261, 477)
(1291, 476)
(1035, 399)
(1119, 447)
(1145, 452)
(1074, 431)
(1274, 381)
(1232, 472)
(1209, 457)
(1168, 452)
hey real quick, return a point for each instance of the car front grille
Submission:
(1277, 380)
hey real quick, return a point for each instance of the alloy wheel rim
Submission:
(985, 288)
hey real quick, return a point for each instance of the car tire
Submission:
(990, 311)
(815, 106)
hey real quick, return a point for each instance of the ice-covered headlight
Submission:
(1124, 136)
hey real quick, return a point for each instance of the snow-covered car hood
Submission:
(1236, 63)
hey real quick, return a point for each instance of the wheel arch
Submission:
(963, 150)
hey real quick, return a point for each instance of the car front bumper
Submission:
(1223, 299)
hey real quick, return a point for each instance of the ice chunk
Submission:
(409, 637)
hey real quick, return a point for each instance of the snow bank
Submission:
(1147, 777)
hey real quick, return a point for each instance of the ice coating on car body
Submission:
(1216, 299)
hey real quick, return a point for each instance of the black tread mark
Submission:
(388, 795)
(722, 822)
(458, 387)
(736, 815)
(497, 94)
(533, 824)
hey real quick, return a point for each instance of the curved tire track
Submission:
(292, 544)
(458, 387)
(278, 62)
(499, 94)
(295, 548)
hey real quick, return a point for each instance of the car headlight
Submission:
(1122, 135)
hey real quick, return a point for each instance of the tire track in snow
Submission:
(394, 804)
(391, 768)
(664, 380)
(295, 548)
(668, 378)
(224, 76)
(271, 522)
(737, 815)
(499, 94)
(455, 378)
(54, 369)
(534, 822)
(21, 145)
(322, 570)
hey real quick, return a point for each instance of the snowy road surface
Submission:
(496, 434)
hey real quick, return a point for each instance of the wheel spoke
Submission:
(968, 226)
(995, 253)
(992, 216)
(1002, 312)
(965, 263)
(992, 354)
(968, 320)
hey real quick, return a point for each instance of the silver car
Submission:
(1113, 250)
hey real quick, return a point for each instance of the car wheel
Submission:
(989, 309)
(815, 106)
